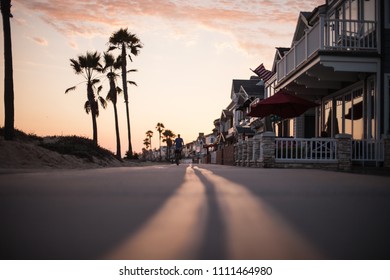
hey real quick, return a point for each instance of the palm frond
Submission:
(87, 107)
(95, 81)
(102, 102)
(99, 89)
(76, 66)
(109, 97)
(134, 49)
(111, 48)
(70, 89)
(132, 83)
(132, 70)
(118, 90)
(108, 60)
(118, 63)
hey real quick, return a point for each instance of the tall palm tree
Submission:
(124, 40)
(160, 128)
(168, 138)
(149, 135)
(9, 109)
(112, 64)
(89, 66)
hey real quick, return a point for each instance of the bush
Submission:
(77, 146)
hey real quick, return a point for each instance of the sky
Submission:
(192, 50)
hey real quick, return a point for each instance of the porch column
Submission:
(267, 149)
(249, 152)
(344, 151)
(256, 150)
(386, 147)
(244, 156)
(235, 158)
(238, 152)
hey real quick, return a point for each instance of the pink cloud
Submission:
(40, 41)
(246, 20)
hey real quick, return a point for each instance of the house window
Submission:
(387, 14)
(369, 10)
(356, 116)
(347, 115)
(371, 109)
(338, 125)
(328, 118)
(386, 119)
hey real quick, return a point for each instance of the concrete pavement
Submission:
(194, 212)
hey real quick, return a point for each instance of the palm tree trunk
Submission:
(159, 138)
(9, 109)
(118, 139)
(130, 148)
(94, 128)
(126, 96)
(93, 105)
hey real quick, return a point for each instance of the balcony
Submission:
(329, 35)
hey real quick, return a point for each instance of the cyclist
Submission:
(179, 143)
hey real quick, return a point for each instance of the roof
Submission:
(248, 85)
(253, 90)
(280, 52)
(225, 114)
(236, 84)
(301, 26)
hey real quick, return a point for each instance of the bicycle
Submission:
(177, 156)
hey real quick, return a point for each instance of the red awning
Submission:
(281, 104)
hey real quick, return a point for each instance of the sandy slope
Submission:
(28, 154)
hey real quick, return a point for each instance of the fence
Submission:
(367, 150)
(266, 150)
(300, 149)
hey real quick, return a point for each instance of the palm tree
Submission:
(112, 64)
(147, 143)
(160, 128)
(149, 135)
(9, 109)
(124, 40)
(168, 138)
(89, 66)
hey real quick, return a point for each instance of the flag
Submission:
(263, 73)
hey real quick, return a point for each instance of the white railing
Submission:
(301, 149)
(350, 35)
(367, 150)
(327, 34)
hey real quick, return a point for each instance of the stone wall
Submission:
(344, 151)
(228, 155)
(225, 155)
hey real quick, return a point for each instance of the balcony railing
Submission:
(329, 34)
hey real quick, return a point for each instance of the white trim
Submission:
(351, 64)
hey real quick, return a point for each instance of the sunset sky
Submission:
(192, 51)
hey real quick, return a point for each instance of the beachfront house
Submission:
(339, 58)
